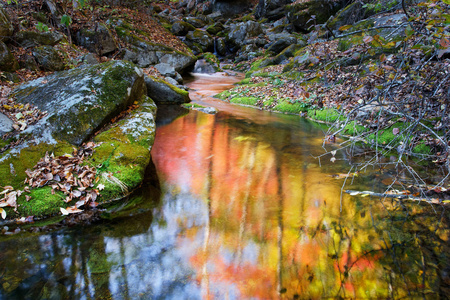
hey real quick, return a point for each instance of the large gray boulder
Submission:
(81, 100)
(97, 40)
(48, 58)
(163, 92)
(6, 124)
(78, 103)
(240, 32)
(6, 27)
(7, 60)
(27, 39)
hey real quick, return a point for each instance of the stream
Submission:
(241, 209)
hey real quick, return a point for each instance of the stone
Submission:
(270, 9)
(203, 66)
(90, 59)
(98, 40)
(181, 28)
(81, 100)
(28, 39)
(281, 44)
(240, 32)
(200, 38)
(48, 58)
(300, 14)
(196, 22)
(350, 14)
(7, 60)
(221, 47)
(6, 124)
(166, 69)
(163, 92)
(172, 81)
(180, 61)
(6, 27)
(209, 110)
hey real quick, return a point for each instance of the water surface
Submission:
(246, 211)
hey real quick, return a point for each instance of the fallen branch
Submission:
(399, 195)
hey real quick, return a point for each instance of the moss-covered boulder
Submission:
(181, 28)
(7, 60)
(81, 100)
(48, 58)
(202, 39)
(28, 38)
(163, 92)
(6, 27)
(350, 14)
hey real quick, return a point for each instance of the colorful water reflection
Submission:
(246, 212)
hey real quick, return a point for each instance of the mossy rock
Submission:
(27, 38)
(7, 60)
(81, 100)
(163, 92)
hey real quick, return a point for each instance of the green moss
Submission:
(245, 81)
(421, 148)
(12, 169)
(42, 202)
(224, 95)
(328, 115)
(244, 100)
(176, 89)
(353, 129)
(192, 105)
(286, 106)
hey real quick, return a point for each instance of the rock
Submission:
(221, 47)
(270, 9)
(172, 81)
(300, 13)
(215, 28)
(281, 44)
(145, 53)
(7, 60)
(29, 39)
(209, 110)
(166, 69)
(78, 102)
(351, 14)
(195, 22)
(48, 58)
(6, 27)
(165, 93)
(6, 124)
(203, 66)
(81, 100)
(90, 59)
(98, 40)
(181, 28)
(200, 38)
(230, 8)
(240, 32)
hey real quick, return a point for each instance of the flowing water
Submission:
(241, 209)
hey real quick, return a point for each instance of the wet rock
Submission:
(221, 46)
(209, 110)
(81, 100)
(349, 15)
(48, 58)
(181, 28)
(6, 124)
(29, 39)
(163, 92)
(97, 40)
(7, 60)
(205, 67)
(6, 27)
(215, 28)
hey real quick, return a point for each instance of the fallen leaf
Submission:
(3, 212)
